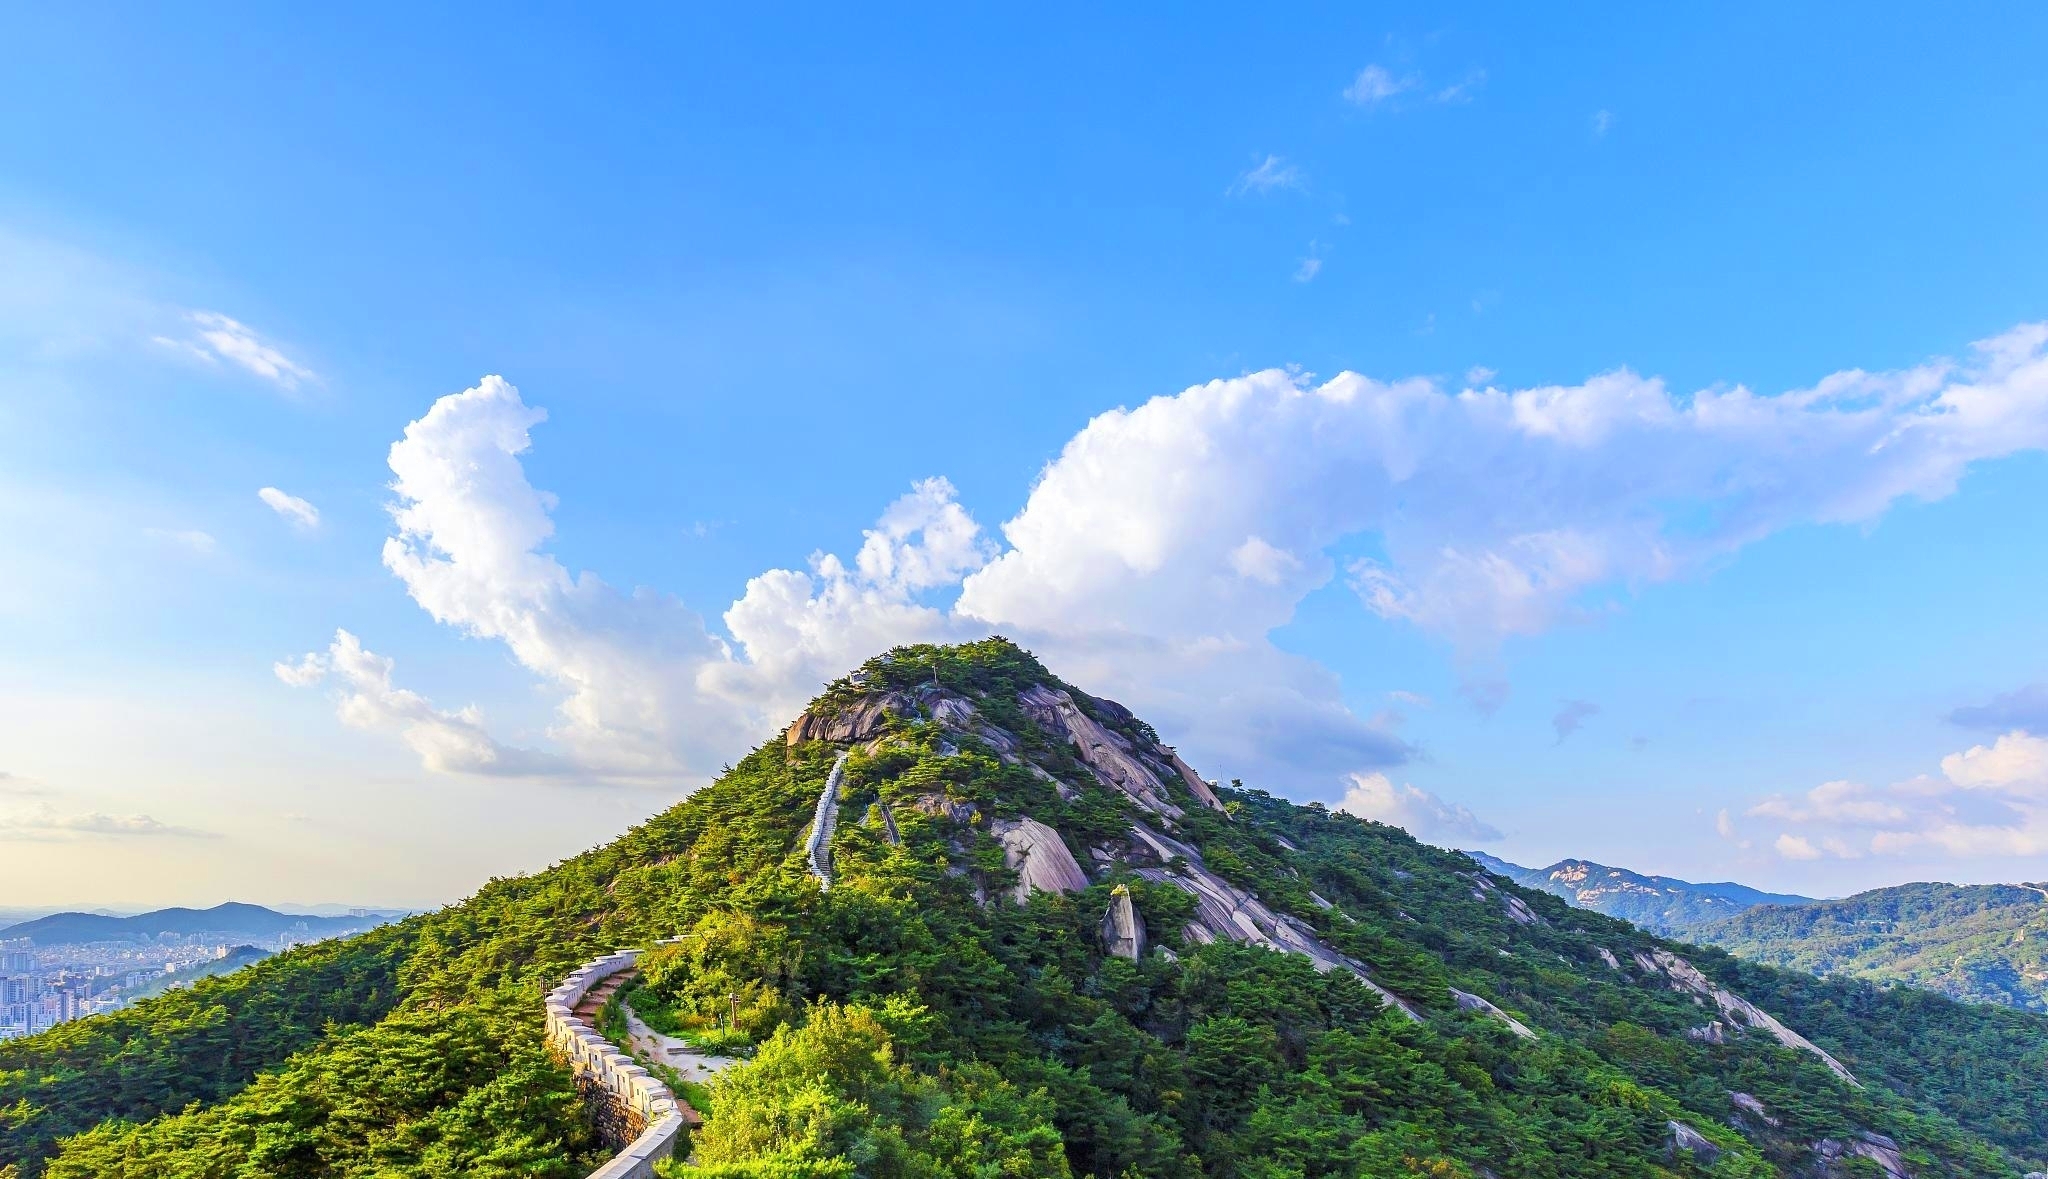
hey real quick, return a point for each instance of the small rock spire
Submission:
(1123, 931)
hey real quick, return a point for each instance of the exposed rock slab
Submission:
(1196, 783)
(1684, 1138)
(1226, 912)
(1685, 976)
(1875, 1147)
(1517, 910)
(1039, 857)
(1471, 1002)
(1107, 755)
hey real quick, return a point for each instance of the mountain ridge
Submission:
(229, 918)
(1662, 903)
(1317, 995)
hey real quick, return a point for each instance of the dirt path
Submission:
(691, 1064)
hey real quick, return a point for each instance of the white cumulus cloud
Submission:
(295, 510)
(451, 742)
(1989, 800)
(1420, 813)
(1157, 553)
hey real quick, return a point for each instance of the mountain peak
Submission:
(992, 922)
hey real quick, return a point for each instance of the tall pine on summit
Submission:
(1311, 994)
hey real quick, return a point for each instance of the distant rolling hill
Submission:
(1985, 943)
(232, 920)
(1660, 903)
(235, 959)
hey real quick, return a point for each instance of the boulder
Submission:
(1684, 1138)
(940, 807)
(1748, 1103)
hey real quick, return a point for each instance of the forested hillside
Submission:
(1984, 943)
(1318, 996)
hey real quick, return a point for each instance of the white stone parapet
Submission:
(597, 1061)
(824, 817)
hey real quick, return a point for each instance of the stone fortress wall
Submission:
(637, 1113)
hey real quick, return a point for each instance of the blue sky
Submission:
(765, 275)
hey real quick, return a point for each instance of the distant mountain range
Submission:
(1984, 943)
(232, 921)
(1981, 943)
(1660, 903)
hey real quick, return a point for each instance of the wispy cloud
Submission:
(1311, 264)
(1463, 90)
(192, 540)
(1268, 175)
(215, 338)
(1602, 121)
(1376, 84)
(2025, 708)
(42, 823)
(1377, 797)
(16, 786)
(1571, 717)
(302, 515)
(448, 742)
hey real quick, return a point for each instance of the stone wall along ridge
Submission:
(818, 848)
(604, 1070)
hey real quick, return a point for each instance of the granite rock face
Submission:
(1876, 1147)
(1039, 857)
(1737, 1010)
(1468, 1001)
(1225, 912)
(858, 721)
(1108, 755)
(1683, 1138)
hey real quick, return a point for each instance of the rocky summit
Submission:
(962, 918)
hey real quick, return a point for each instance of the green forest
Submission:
(1983, 943)
(913, 1021)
